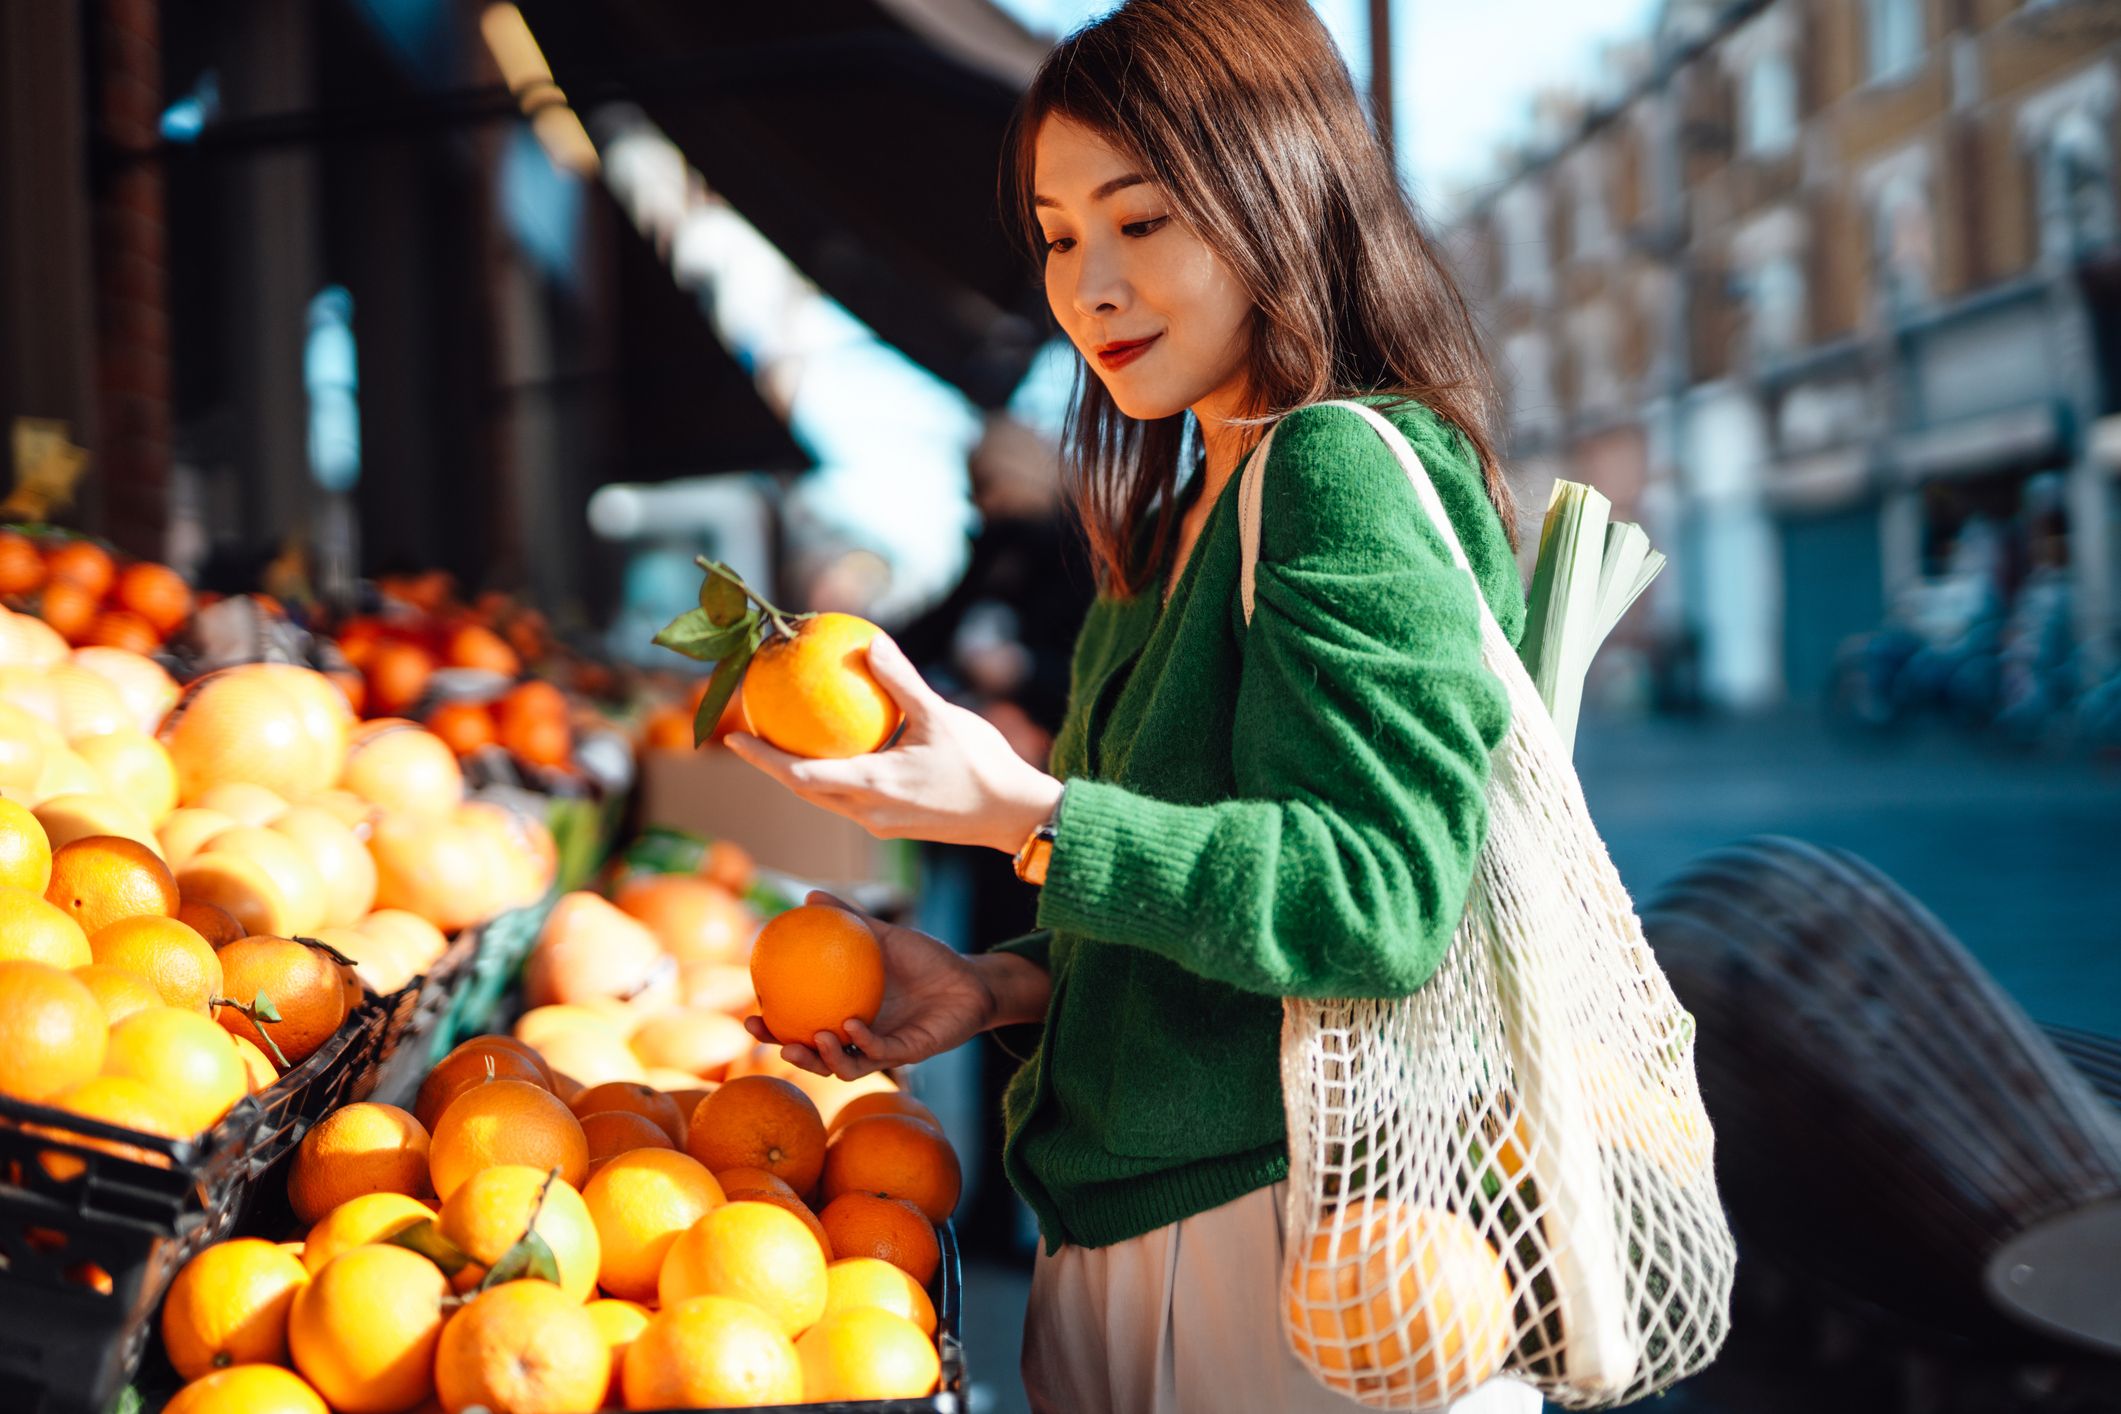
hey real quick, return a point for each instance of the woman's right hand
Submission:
(935, 999)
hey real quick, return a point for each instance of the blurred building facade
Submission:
(1827, 293)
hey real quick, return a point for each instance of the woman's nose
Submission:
(1100, 286)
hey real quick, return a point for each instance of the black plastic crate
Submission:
(85, 1259)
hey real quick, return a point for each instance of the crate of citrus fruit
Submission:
(213, 903)
(626, 1203)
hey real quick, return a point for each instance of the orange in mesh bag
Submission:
(1508, 1171)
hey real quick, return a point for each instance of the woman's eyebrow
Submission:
(1132, 179)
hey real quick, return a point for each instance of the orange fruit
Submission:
(882, 1102)
(364, 1328)
(789, 1203)
(432, 867)
(718, 986)
(119, 992)
(341, 861)
(33, 930)
(73, 814)
(506, 1122)
(867, 1353)
(749, 1251)
(120, 1101)
(465, 726)
(325, 715)
(890, 1229)
(378, 963)
(490, 1211)
(592, 1057)
(300, 887)
(237, 726)
(1449, 1312)
(760, 1122)
(634, 1098)
(156, 593)
(371, 1217)
(466, 1066)
(416, 939)
(693, 1041)
(525, 844)
(614, 1132)
(237, 885)
(247, 1389)
(522, 1346)
(532, 701)
(169, 956)
(83, 562)
(185, 1058)
(587, 949)
(258, 1070)
(545, 741)
(813, 694)
(243, 802)
(749, 1179)
(134, 768)
(397, 677)
(184, 833)
(866, 1281)
(473, 646)
(667, 729)
(729, 864)
(99, 879)
(894, 1156)
(24, 742)
(69, 608)
(53, 1035)
(303, 983)
(814, 967)
(360, 1148)
(401, 766)
(88, 706)
(540, 1024)
(694, 919)
(122, 630)
(711, 1352)
(210, 921)
(229, 1306)
(641, 1203)
(22, 569)
(618, 1322)
(148, 690)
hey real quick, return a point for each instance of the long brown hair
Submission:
(1242, 111)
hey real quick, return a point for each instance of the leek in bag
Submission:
(1591, 568)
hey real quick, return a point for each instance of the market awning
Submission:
(862, 137)
(685, 405)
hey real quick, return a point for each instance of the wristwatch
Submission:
(1037, 851)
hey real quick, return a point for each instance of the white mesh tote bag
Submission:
(1509, 1170)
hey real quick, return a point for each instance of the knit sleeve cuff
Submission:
(1123, 865)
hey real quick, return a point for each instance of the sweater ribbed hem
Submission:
(1100, 1214)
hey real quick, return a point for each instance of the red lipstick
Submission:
(1119, 355)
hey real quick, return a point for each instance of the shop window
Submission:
(1775, 308)
(1520, 224)
(1770, 107)
(1531, 374)
(2076, 189)
(1893, 37)
(1903, 246)
(1588, 222)
(1591, 352)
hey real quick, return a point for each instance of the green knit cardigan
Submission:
(1287, 809)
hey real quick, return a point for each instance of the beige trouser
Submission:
(1183, 1319)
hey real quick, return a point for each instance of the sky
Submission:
(1465, 71)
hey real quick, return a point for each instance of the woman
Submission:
(1235, 813)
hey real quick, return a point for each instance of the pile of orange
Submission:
(80, 590)
(709, 1245)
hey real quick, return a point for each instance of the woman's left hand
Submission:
(952, 778)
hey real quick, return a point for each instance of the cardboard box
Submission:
(713, 793)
